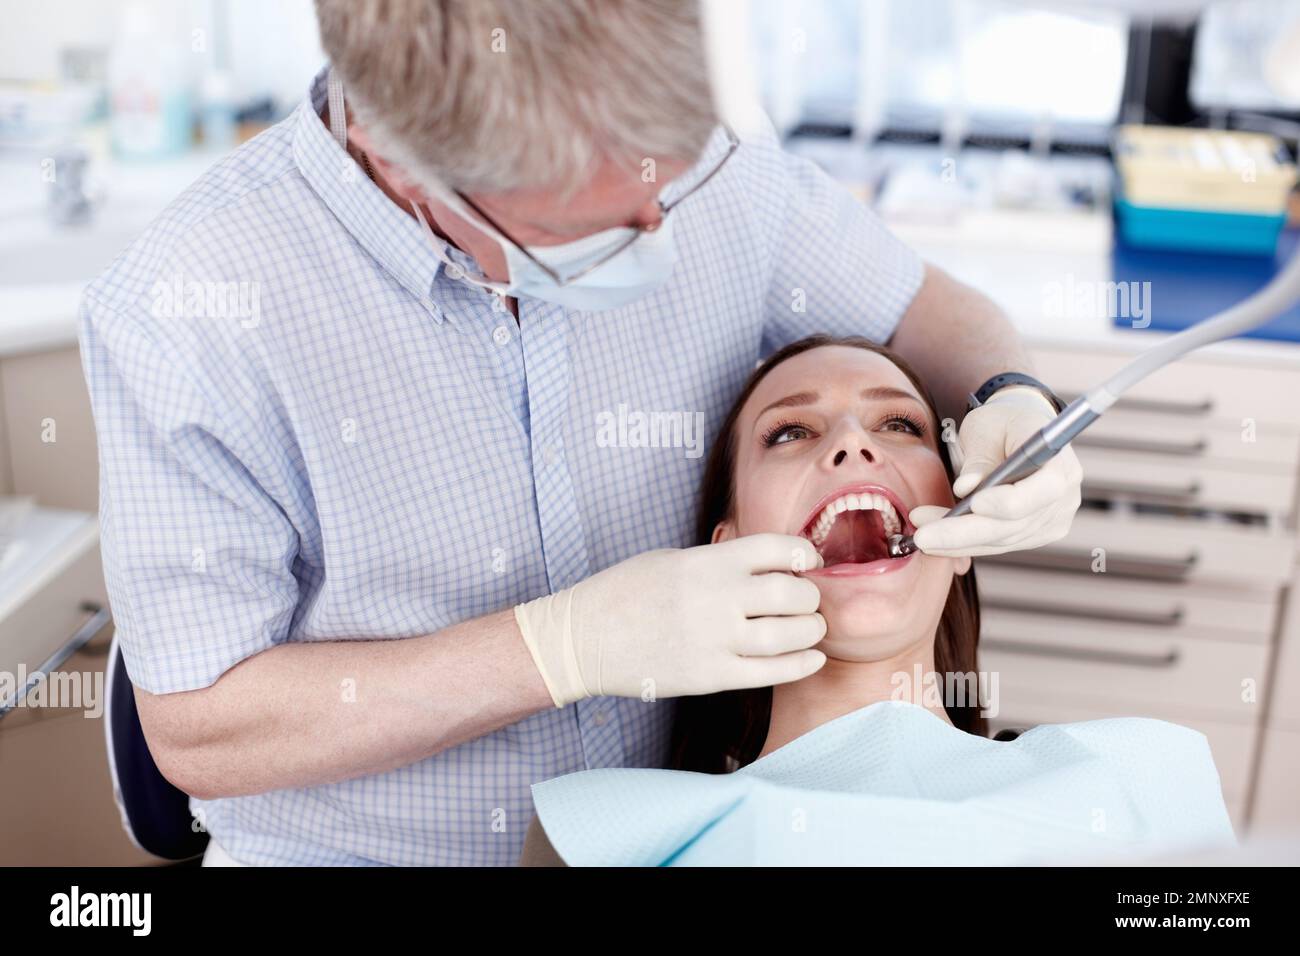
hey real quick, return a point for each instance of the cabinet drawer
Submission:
(1192, 441)
(58, 807)
(1122, 667)
(1276, 802)
(1165, 549)
(1284, 713)
(42, 596)
(1232, 745)
(1174, 608)
(1190, 389)
(1194, 484)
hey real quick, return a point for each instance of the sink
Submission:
(44, 267)
(125, 198)
(35, 252)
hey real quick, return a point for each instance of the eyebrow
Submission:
(878, 393)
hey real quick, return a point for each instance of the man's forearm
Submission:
(956, 338)
(304, 714)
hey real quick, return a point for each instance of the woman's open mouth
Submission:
(851, 527)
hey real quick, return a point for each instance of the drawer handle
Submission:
(1080, 561)
(98, 620)
(1096, 489)
(1169, 407)
(1187, 449)
(1095, 655)
(1171, 618)
(1203, 407)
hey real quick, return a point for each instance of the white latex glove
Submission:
(1031, 512)
(672, 622)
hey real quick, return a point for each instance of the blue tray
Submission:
(1187, 287)
(1197, 230)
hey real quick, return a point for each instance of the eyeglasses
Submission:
(733, 143)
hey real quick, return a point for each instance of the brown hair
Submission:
(714, 733)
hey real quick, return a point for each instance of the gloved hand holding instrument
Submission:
(1280, 294)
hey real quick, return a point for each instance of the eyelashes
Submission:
(770, 436)
(915, 425)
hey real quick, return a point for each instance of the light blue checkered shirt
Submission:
(338, 439)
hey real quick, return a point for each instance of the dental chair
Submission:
(155, 814)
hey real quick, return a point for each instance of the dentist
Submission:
(373, 571)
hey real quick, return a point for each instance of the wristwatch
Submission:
(1007, 379)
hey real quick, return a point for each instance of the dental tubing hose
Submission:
(1280, 294)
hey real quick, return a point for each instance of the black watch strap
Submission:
(1006, 379)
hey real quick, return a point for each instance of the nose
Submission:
(844, 454)
(850, 443)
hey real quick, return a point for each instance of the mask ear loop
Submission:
(338, 112)
(480, 280)
(339, 128)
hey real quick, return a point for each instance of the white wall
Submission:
(273, 44)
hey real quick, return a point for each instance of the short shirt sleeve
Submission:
(198, 558)
(837, 269)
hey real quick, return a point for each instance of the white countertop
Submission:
(41, 543)
(36, 318)
(1017, 277)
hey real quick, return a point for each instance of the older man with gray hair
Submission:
(372, 571)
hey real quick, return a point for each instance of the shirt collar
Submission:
(393, 238)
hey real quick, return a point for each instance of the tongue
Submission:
(856, 537)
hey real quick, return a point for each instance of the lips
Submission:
(850, 527)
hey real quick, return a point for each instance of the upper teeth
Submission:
(863, 502)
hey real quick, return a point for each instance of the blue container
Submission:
(1155, 227)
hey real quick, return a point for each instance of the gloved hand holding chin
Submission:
(671, 622)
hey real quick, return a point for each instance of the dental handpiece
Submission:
(1021, 463)
(1276, 297)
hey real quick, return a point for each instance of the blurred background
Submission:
(1107, 171)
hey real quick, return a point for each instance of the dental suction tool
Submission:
(1269, 302)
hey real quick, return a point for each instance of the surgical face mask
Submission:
(632, 274)
(635, 272)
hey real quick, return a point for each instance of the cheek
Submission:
(927, 476)
(760, 503)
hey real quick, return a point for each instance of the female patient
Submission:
(880, 756)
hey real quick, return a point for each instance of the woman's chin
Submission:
(874, 616)
(869, 617)
(861, 647)
(861, 623)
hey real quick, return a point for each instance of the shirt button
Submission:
(498, 303)
(551, 455)
(500, 335)
(454, 272)
(600, 718)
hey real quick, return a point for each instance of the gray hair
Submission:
(492, 95)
